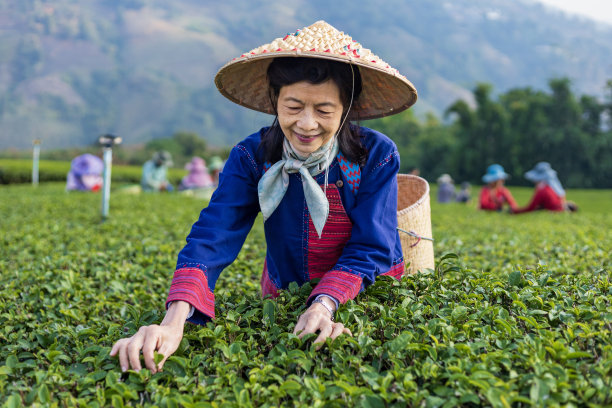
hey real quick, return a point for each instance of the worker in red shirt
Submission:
(549, 194)
(494, 196)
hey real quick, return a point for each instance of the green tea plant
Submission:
(14, 171)
(517, 313)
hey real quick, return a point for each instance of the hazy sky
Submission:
(598, 9)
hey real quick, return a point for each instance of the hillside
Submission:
(71, 69)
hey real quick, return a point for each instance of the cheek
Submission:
(284, 119)
(333, 124)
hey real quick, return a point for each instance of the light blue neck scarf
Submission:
(274, 183)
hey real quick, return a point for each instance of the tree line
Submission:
(517, 129)
(182, 145)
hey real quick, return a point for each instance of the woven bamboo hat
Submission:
(414, 222)
(384, 90)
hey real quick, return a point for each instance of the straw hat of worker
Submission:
(445, 179)
(384, 90)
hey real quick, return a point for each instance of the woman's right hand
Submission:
(163, 338)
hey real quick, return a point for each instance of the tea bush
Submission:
(517, 313)
(14, 171)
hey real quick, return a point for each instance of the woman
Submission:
(327, 189)
(465, 193)
(549, 194)
(494, 196)
(198, 176)
(446, 189)
(216, 166)
(85, 173)
(155, 173)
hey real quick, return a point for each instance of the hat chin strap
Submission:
(351, 102)
(341, 124)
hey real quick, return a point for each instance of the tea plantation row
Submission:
(14, 171)
(520, 316)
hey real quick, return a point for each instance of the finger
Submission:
(116, 347)
(338, 330)
(166, 348)
(300, 325)
(312, 325)
(163, 350)
(325, 332)
(347, 331)
(166, 351)
(133, 349)
(148, 350)
(122, 350)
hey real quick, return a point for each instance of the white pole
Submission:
(108, 159)
(35, 160)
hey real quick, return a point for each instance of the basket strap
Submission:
(415, 235)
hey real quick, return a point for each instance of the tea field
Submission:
(517, 313)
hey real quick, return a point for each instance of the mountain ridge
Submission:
(143, 69)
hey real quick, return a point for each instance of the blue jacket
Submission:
(359, 241)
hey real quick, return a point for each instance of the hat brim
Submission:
(535, 176)
(489, 178)
(245, 82)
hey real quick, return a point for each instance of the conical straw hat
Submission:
(414, 222)
(385, 91)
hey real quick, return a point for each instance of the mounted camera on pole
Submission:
(107, 141)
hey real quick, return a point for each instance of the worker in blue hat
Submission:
(494, 195)
(549, 193)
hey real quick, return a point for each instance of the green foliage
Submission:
(20, 171)
(182, 145)
(517, 313)
(146, 67)
(519, 129)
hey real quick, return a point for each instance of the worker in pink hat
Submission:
(198, 176)
(85, 173)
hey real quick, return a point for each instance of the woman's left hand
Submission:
(317, 318)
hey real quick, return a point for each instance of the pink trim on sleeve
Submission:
(338, 284)
(396, 271)
(267, 286)
(191, 285)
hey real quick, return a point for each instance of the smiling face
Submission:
(309, 114)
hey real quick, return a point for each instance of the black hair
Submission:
(285, 71)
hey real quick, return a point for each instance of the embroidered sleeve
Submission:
(191, 285)
(509, 199)
(217, 236)
(544, 198)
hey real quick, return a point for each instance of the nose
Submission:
(307, 120)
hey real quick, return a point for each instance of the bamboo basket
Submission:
(414, 222)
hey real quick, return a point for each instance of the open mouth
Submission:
(305, 138)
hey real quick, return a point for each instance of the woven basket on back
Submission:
(414, 215)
